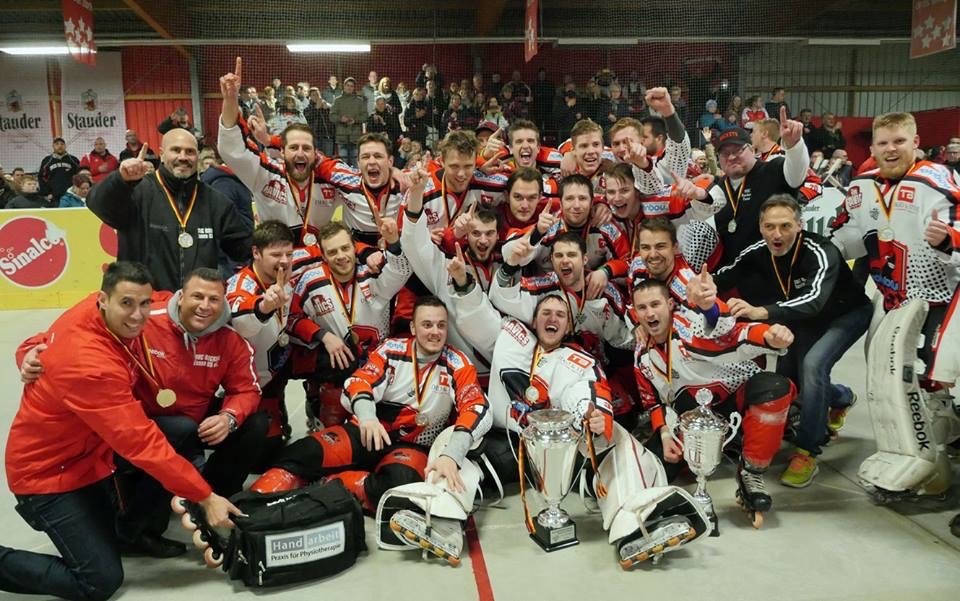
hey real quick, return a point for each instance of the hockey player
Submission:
(536, 368)
(347, 310)
(680, 352)
(285, 190)
(904, 217)
(259, 296)
(405, 395)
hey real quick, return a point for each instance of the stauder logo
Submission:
(33, 252)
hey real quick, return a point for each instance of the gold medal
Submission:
(309, 240)
(886, 234)
(166, 398)
(354, 337)
(531, 394)
(732, 226)
(283, 339)
(185, 240)
(422, 419)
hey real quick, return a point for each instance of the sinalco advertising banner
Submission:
(53, 257)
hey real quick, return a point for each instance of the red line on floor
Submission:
(480, 575)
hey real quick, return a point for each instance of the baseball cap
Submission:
(737, 135)
(487, 125)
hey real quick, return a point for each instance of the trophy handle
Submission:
(735, 420)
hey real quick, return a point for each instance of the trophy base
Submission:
(553, 539)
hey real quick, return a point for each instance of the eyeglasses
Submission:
(730, 154)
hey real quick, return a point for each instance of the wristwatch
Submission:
(232, 420)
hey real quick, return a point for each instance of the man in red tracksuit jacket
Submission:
(60, 449)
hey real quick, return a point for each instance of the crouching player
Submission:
(537, 369)
(680, 352)
(401, 401)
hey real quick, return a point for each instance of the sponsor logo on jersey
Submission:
(579, 360)
(854, 197)
(906, 193)
(517, 331)
(205, 233)
(322, 305)
(276, 191)
(203, 360)
(33, 252)
(249, 285)
(327, 192)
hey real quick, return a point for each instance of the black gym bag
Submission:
(288, 537)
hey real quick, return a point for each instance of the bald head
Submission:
(178, 152)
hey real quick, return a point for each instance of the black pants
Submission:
(144, 503)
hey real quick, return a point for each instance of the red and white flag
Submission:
(934, 27)
(530, 30)
(78, 27)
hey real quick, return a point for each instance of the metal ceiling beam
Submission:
(159, 21)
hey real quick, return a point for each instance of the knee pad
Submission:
(909, 457)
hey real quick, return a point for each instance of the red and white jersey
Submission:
(812, 184)
(417, 401)
(718, 358)
(274, 195)
(676, 282)
(363, 208)
(441, 206)
(363, 304)
(244, 291)
(604, 242)
(565, 378)
(603, 316)
(885, 220)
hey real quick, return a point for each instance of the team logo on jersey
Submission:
(330, 436)
(854, 197)
(875, 213)
(322, 305)
(433, 217)
(33, 252)
(328, 192)
(275, 191)
(517, 331)
(579, 360)
(906, 194)
(365, 290)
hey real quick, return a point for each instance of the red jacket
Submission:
(73, 419)
(100, 166)
(194, 367)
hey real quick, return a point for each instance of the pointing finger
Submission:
(259, 112)
(143, 152)
(497, 133)
(783, 114)
(236, 69)
(459, 251)
(935, 216)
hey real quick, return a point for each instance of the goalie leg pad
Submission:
(908, 457)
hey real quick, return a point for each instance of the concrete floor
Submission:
(826, 542)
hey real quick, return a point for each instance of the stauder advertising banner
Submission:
(25, 127)
(92, 104)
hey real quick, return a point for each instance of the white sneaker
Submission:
(443, 538)
(668, 536)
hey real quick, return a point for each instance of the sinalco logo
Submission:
(33, 252)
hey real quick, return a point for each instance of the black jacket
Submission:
(32, 201)
(820, 284)
(147, 228)
(56, 174)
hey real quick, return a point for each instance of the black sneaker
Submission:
(151, 545)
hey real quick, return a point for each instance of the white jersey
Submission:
(363, 209)
(885, 220)
(441, 207)
(361, 306)
(265, 333)
(273, 193)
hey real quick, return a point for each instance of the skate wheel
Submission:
(690, 535)
(177, 505)
(187, 521)
(757, 520)
(199, 541)
(212, 558)
(626, 564)
(453, 561)
(657, 549)
(673, 542)
(410, 536)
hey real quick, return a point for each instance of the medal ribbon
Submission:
(581, 301)
(739, 195)
(882, 200)
(146, 368)
(537, 353)
(181, 219)
(418, 386)
(348, 311)
(476, 271)
(303, 208)
(793, 260)
(378, 204)
(668, 359)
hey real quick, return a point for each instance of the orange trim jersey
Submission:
(904, 266)
(719, 358)
(82, 411)
(362, 305)
(605, 242)
(812, 186)
(487, 190)
(263, 331)
(358, 207)
(266, 178)
(416, 402)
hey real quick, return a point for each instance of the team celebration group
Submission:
(453, 298)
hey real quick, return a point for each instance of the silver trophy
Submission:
(703, 435)
(551, 446)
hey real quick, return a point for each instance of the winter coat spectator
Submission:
(76, 195)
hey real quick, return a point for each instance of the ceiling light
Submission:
(36, 50)
(329, 47)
